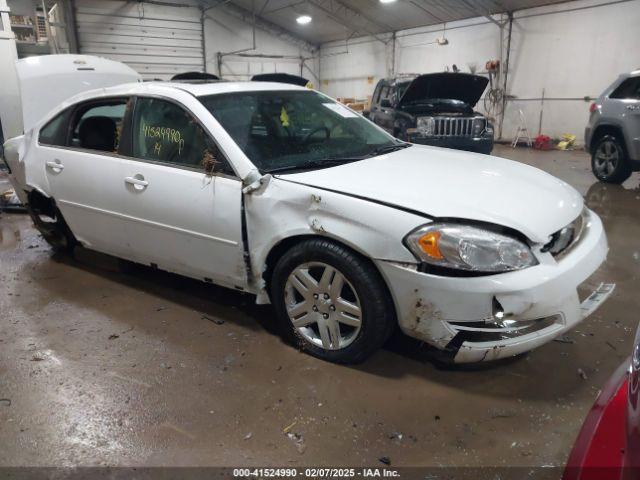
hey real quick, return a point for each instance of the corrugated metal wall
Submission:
(157, 41)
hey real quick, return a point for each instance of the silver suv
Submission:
(613, 133)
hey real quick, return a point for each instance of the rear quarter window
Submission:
(627, 90)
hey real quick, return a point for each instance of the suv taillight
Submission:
(592, 108)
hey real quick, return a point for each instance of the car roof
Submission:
(199, 89)
(166, 88)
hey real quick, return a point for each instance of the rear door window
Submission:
(98, 125)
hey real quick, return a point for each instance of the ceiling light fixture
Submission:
(303, 19)
(387, 1)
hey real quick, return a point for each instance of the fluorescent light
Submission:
(387, 1)
(303, 19)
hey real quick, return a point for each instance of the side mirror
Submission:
(385, 103)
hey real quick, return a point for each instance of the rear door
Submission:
(80, 155)
(183, 202)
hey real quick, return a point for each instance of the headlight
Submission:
(478, 126)
(489, 129)
(468, 248)
(426, 125)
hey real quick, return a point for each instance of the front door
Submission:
(385, 113)
(179, 217)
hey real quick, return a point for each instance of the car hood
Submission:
(457, 86)
(444, 183)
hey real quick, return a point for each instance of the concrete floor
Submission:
(104, 365)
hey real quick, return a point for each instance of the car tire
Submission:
(609, 160)
(339, 301)
(56, 233)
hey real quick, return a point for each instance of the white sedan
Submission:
(280, 191)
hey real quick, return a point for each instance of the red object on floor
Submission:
(542, 142)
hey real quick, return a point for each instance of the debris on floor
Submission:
(9, 202)
(385, 460)
(564, 339)
(542, 142)
(582, 374)
(298, 441)
(501, 413)
(217, 321)
(567, 142)
(286, 429)
(5, 402)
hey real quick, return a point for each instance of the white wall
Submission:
(571, 54)
(353, 69)
(226, 33)
(571, 51)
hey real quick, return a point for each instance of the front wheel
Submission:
(331, 302)
(609, 160)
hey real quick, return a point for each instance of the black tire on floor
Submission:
(609, 160)
(56, 233)
(378, 318)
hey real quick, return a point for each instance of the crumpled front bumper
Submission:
(459, 314)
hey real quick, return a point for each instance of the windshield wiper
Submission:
(334, 161)
(388, 149)
(329, 162)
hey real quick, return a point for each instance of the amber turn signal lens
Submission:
(429, 245)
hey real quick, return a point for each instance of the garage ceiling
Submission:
(342, 19)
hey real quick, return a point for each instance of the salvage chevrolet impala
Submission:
(281, 192)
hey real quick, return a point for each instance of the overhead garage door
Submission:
(155, 40)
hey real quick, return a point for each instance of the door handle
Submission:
(138, 182)
(55, 165)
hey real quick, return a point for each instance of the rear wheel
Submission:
(609, 160)
(331, 302)
(51, 224)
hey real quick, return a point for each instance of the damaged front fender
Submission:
(278, 209)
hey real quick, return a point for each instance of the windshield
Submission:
(402, 87)
(294, 130)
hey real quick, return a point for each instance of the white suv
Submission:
(280, 191)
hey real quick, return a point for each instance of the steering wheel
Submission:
(327, 133)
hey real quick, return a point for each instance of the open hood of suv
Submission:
(457, 86)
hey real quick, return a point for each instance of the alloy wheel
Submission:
(323, 306)
(606, 158)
